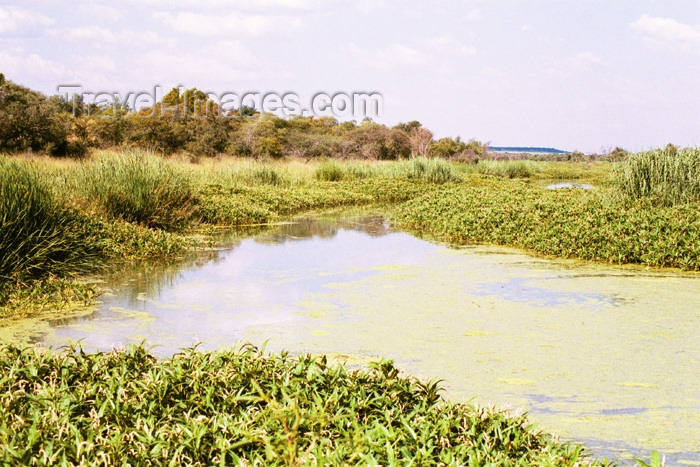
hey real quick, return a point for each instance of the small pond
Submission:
(606, 355)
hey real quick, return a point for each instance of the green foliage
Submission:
(38, 235)
(140, 187)
(241, 407)
(587, 224)
(30, 121)
(159, 134)
(616, 155)
(330, 171)
(507, 169)
(267, 175)
(432, 170)
(655, 461)
(188, 103)
(668, 176)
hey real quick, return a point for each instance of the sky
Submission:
(582, 75)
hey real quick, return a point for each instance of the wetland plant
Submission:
(243, 407)
(142, 188)
(39, 236)
(436, 171)
(667, 176)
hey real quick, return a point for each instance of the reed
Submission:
(39, 235)
(435, 171)
(140, 187)
(507, 169)
(665, 176)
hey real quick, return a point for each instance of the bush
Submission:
(30, 121)
(432, 170)
(506, 169)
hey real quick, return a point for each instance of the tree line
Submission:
(189, 123)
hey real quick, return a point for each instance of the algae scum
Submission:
(603, 355)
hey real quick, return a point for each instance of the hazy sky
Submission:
(569, 74)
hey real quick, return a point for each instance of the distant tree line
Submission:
(190, 123)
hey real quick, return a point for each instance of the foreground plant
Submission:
(241, 407)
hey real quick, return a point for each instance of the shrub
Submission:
(506, 169)
(30, 121)
(432, 170)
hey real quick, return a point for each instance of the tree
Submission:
(30, 121)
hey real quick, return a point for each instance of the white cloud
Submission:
(669, 31)
(97, 12)
(84, 33)
(474, 15)
(586, 60)
(124, 37)
(448, 45)
(392, 56)
(15, 19)
(226, 61)
(247, 5)
(18, 62)
(581, 62)
(199, 24)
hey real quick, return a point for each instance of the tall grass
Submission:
(142, 188)
(39, 236)
(333, 171)
(666, 176)
(436, 171)
(241, 407)
(507, 169)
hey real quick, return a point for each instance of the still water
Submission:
(606, 355)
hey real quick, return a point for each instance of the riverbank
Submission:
(64, 219)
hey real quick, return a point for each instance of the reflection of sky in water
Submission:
(258, 282)
(521, 289)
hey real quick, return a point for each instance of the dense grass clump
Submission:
(241, 407)
(436, 171)
(507, 169)
(332, 171)
(666, 176)
(142, 188)
(39, 236)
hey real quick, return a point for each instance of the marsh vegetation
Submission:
(150, 189)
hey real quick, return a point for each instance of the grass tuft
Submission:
(666, 176)
(140, 187)
(39, 236)
(436, 171)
